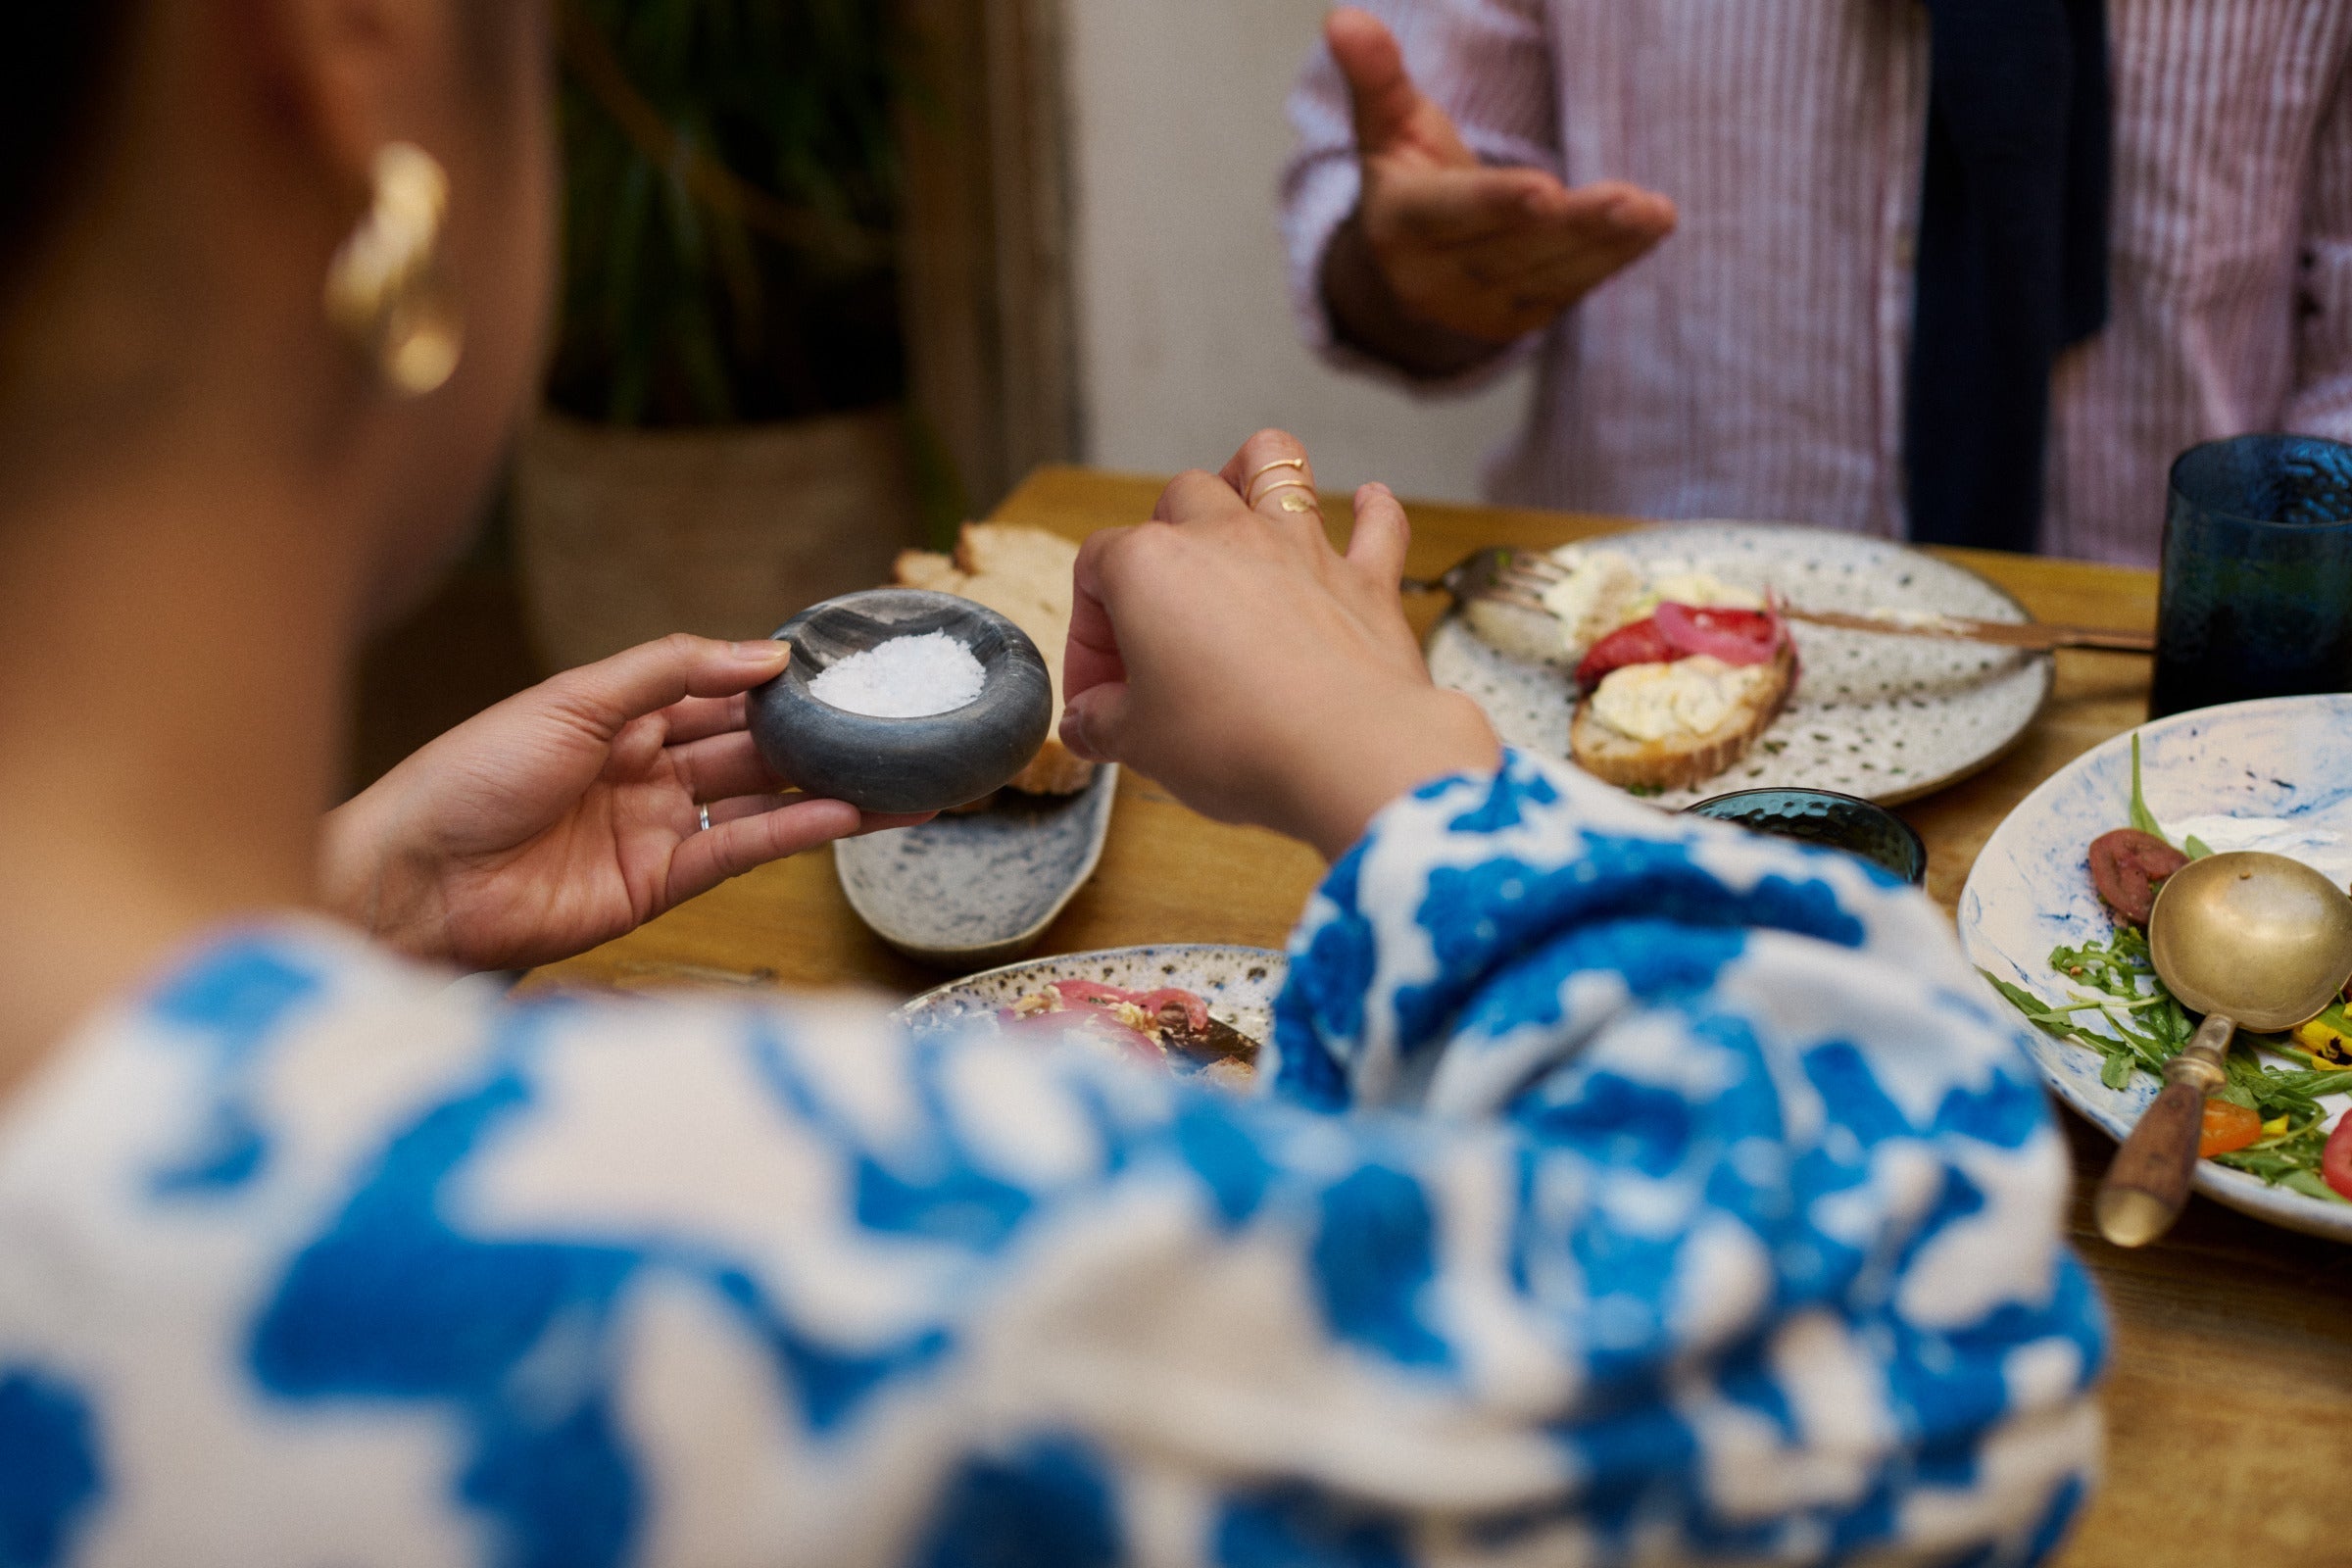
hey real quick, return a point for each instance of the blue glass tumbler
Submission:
(2257, 592)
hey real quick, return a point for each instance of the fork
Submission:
(1504, 575)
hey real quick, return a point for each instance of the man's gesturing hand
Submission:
(1489, 252)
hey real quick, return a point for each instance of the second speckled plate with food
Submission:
(2284, 760)
(1883, 717)
(1239, 984)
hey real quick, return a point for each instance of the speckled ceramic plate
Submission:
(1239, 984)
(1886, 719)
(965, 892)
(2288, 756)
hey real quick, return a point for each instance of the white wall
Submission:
(1186, 343)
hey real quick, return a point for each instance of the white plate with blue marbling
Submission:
(1883, 717)
(964, 891)
(2284, 757)
(1239, 984)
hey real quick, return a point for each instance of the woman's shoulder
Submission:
(262, 1066)
(295, 1175)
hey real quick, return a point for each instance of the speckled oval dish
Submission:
(1882, 718)
(963, 892)
(2284, 756)
(1239, 984)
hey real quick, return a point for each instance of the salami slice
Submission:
(1640, 643)
(2125, 865)
(1737, 637)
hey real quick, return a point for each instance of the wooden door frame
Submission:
(985, 267)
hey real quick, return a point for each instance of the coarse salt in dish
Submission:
(905, 677)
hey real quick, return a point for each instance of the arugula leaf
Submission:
(2141, 817)
(2237, 1095)
(2310, 1185)
(2121, 1011)
(2311, 1084)
(2194, 847)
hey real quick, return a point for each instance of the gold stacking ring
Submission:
(1283, 486)
(1289, 502)
(1279, 463)
(1297, 478)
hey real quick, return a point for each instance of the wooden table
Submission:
(2230, 1398)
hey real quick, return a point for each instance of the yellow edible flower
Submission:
(2326, 1042)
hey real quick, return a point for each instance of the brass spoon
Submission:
(2251, 940)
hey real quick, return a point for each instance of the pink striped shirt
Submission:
(1752, 366)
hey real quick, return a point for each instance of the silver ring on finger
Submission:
(704, 813)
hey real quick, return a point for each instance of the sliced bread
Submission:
(1683, 757)
(1022, 573)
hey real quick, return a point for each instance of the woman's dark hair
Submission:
(55, 75)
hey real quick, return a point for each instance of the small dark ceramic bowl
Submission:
(903, 765)
(1828, 819)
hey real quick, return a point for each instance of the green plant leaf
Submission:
(704, 362)
(2194, 847)
(798, 100)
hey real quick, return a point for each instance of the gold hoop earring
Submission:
(388, 290)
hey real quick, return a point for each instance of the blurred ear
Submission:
(352, 75)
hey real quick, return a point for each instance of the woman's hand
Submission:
(1441, 240)
(1229, 652)
(572, 813)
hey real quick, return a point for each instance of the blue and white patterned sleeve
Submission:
(1784, 1197)
(1627, 1189)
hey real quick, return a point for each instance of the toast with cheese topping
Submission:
(1023, 574)
(1664, 726)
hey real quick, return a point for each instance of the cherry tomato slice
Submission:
(2335, 1160)
(2227, 1126)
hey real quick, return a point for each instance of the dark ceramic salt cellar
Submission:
(903, 765)
(1828, 819)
